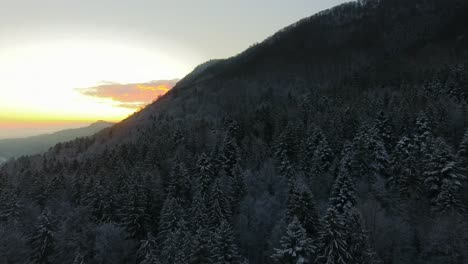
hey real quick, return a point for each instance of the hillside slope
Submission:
(16, 147)
(345, 133)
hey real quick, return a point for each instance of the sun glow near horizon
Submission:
(40, 82)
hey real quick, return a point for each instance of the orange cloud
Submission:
(132, 95)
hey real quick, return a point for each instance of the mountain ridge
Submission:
(14, 147)
(345, 133)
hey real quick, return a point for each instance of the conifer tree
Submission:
(79, 259)
(462, 153)
(442, 169)
(134, 214)
(385, 129)
(310, 146)
(11, 208)
(343, 197)
(205, 171)
(322, 157)
(358, 241)
(332, 247)
(448, 201)
(285, 152)
(219, 208)
(230, 156)
(301, 205)
(179, 184)
(201, 246)
(423, 135)
(405, 176)
(237, 191)
(224, 248)
(43, 239)
(147, 253)
(171, 213)
(295, 246)
(174, 247)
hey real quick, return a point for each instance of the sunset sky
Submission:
(70, 63)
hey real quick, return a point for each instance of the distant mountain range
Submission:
(16, 147)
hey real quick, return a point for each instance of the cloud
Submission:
(133, 95)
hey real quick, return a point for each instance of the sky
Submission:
(67, 63)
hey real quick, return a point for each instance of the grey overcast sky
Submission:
(198, 29)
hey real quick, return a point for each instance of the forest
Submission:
(342, 138)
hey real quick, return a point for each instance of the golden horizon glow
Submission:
(38, 83)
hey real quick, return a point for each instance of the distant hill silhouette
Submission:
(15, 147)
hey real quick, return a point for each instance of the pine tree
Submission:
(201, 246)
(198, 210)
(322, 157)
(358, 241)
(219, 208)
(380, 159)
(332, 247)
(285, 152)
(442, 169)
(43, 239)
(205, 171)
(179, 185)
(11, 208)
(147, 253)
(462, 153)
(405, 176)
(385, 129)
(343, 197)
(134, 215)
(174, 247)
(310, 146)
(423, 136)
(230, 156)
(301, 205)
(448, 201)
(296, 247)
(171, 213)
(79, 259)
(224, 248)
(237, 191)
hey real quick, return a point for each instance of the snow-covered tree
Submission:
(360, 250)
(448, 201)
(442, 169)
(343, 197)
(219, 208)
(179, 184)
(405, 175)
(224, 247)
(295, 246)
(171, 213)
(147, 253)
(175, 247)
(201, 246)
(322, 157)
(301, 205)
(462, 153)
(134, 214)
(205, 173)
(385, 129)
(230, 156)
(43, 239)
(332, 247)
(79, 259)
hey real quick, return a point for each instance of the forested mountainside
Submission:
(340, 139)
(14, 147)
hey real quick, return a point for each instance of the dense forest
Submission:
(343, 138)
